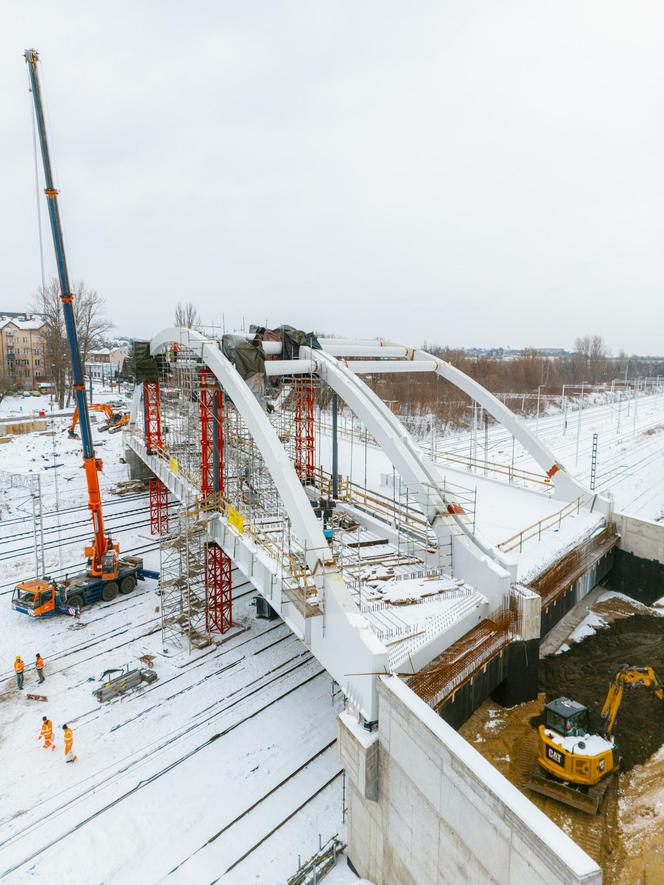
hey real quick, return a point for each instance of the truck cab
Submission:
(35, 597)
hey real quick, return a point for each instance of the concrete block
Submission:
(358, 751)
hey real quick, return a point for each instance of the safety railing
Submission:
(536, 529)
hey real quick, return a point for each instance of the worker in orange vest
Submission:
(19, 667)
(69, 743)
(39, 664)
(47, 733)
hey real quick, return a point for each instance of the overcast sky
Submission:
(468, 173)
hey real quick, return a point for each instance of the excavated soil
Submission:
(627, 838)
(585, 671)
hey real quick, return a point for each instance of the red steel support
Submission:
(218, 578)
(218, 585)
(158, 507)
(304, 429)
(152, 409)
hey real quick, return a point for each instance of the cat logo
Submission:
(600, 764)
(554, 755)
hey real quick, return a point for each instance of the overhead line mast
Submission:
(103, 553)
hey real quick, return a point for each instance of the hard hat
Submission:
(44, 718)
(64, 726)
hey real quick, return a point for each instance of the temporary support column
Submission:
(218, 578)
(304, 429)
(158, 507)
(152, 410)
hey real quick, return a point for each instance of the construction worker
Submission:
(47, 733)
(39, 664)
(19, 667)
(69, 743)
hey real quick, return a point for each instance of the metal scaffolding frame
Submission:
(152, 416)
(158, 507)
(304, 392)
(182, 581)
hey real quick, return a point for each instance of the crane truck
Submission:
(107, 573)
(575, 767)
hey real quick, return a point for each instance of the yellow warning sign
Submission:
(235, 519)
(173, 465)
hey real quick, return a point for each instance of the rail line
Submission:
(271, 792)
(96, 785)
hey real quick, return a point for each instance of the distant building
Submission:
(22, 349)
(105, 363)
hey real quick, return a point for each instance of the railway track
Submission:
(132, 763)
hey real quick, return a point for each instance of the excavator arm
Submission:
(634, 676)
(95, 407)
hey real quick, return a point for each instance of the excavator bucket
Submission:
(588, 801)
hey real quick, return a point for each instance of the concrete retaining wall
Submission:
(638, 569)
(442, 813)
(640, 537)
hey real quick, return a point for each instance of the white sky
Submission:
(461, 172)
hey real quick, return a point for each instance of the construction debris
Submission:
(125, 681)
(36, 697)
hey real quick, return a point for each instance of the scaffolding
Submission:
(182, 581)
(158, 507)
(218, 568)
(152, 417)
(304, 392)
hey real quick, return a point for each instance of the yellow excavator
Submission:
(575, 767)
(114, 420)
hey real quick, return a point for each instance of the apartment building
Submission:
(106, 363)
(22, 349)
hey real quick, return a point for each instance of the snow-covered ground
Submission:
(224, 767)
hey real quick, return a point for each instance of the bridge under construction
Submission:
(383, 557)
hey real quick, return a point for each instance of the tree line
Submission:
(591, 363)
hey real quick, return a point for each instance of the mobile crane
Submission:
(577, 766)
(106, 573)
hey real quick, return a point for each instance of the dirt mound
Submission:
(585, 671)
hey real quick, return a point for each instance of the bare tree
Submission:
(8, 385)
(593, 350)
(91, 324)
(186, 315)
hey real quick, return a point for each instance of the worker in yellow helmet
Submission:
(69, 744)
(19, 667)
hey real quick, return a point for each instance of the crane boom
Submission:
(101, 564)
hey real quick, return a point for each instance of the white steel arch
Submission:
(302, 517)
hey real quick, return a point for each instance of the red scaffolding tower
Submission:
(153, 445)
(158, 507)
(218, 578)
(305, 399)
(152, 409)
